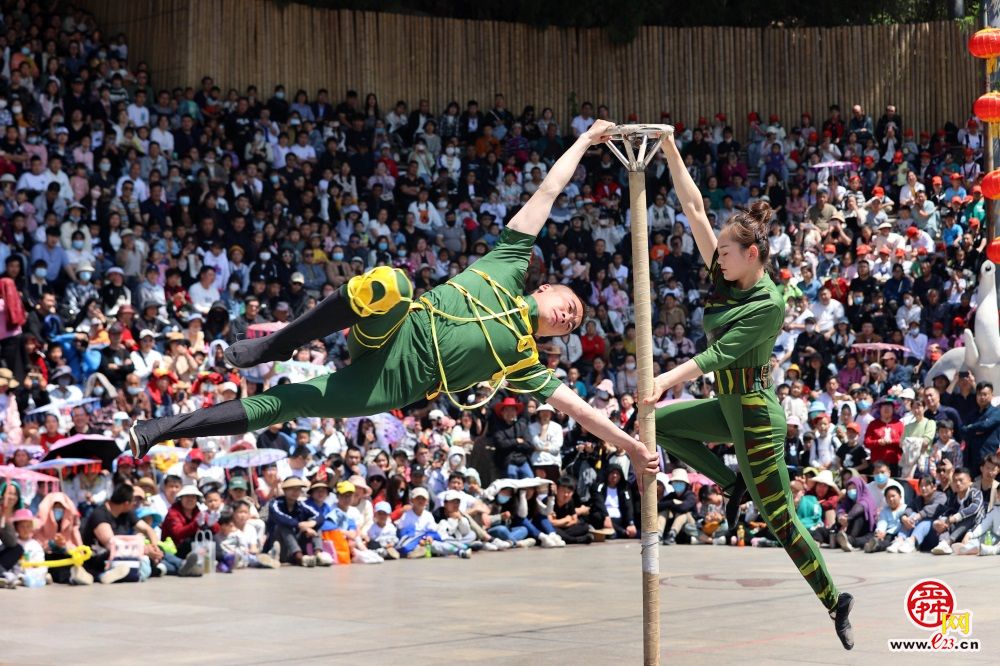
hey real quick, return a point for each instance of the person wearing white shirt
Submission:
(882, 267)
(217, 259)
(304, 152)
(825, 444)
(451, 161)
(908, 193)
(418, 519)
(281, 150)
(779, 242)
(618, 272)
(547, 438)
(535, 164)
(146, 357)
(203, 293)
(427, 217)
(886, 237)
(37, 179)
(907, 312)
(916, 342)
(140, 190)
(660, 216)
(495, 207)
(611, 234)
(162, 135)
(920, 239)
(827, 311)
(569, 346)
(138, 114)
(582, 122)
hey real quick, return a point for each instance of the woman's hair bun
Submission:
(760, 212)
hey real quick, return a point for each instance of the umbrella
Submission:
(832, 164)
(7, 448)
(388, 428)
(699, 479)
(879, 346)
(64, 407)
(103, 448)
(249, 458)
(261, 330)
(25, 474)
(62, 463)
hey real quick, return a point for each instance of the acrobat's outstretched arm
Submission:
(596, 423)
(532, 216)
(691, 200)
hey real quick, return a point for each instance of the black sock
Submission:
(332, 314)
(225, 418)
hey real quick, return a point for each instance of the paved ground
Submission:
(574, 606)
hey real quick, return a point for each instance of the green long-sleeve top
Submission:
(742, 324)
(925, 429)
(471, 350)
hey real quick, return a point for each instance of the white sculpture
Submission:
(981, 353)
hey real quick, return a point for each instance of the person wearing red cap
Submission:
(806, 124)
(970, 167)
(936, 194)
(955, 186)
(971, 136)
(919, 239)
(834, 123)
(977, 208)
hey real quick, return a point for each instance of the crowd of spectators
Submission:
(144, 229)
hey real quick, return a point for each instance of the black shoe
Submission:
(841, 621)
(333, 313)
(222, 419)
(670, 539)
(737, 497)
(137, 441)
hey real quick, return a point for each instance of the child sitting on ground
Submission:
(383, 533)
(455, 529)
(24, 525)
(710, 517)
(238, 537)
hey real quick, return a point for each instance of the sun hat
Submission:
(189, 491)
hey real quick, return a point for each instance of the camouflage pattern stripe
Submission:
(755, 423)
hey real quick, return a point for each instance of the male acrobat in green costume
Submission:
(743, 316)
(476, 327)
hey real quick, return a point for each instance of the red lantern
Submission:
(993, 251)
(991, 185)
(985, 43)
(987, 107)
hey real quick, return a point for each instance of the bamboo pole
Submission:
(647, 424)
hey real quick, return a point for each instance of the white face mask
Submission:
(630, 366)
(810, 328)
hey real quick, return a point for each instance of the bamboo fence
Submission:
(922, 68)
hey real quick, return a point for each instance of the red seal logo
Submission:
(928, 602)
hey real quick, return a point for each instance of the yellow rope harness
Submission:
(361, 293)
(482, 313)
(77, 556)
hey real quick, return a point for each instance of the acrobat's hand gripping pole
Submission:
(639, 144)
